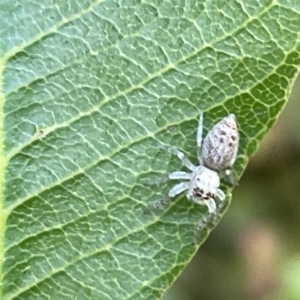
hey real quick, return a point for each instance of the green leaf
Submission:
(88, 89)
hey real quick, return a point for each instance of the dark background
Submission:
(254, 253)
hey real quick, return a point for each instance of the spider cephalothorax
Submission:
(204, 186)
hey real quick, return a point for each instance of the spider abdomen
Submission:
(220, 146)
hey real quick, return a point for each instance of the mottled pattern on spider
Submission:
(218, 152)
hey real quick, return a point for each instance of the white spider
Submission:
(218, 152)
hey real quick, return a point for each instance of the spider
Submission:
(216, 154)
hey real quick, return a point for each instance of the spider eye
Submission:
(198, 179)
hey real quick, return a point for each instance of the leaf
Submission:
(88, 89)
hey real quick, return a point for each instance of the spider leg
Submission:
(211, 205)
(201, 225)
(161, 203)
(180, 175)
(180, 155)
(221, 195)
(227, 174)
(199, 138)
(210, 218)
(230, 177)
(157, 181)
(178, 188)
(166, 177)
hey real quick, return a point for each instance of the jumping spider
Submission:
(217, 154)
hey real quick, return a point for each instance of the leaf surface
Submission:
(88, 89)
